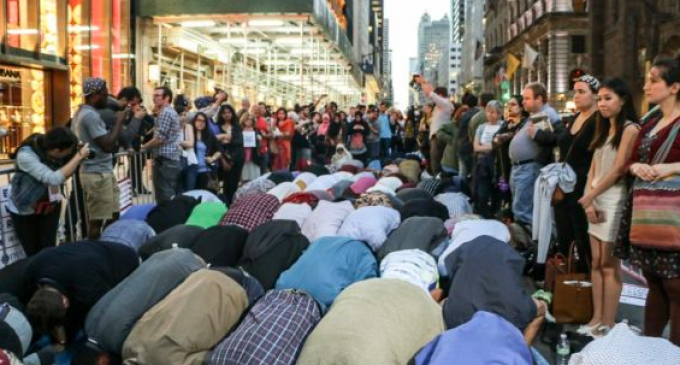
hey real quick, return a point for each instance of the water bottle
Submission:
(563, 350)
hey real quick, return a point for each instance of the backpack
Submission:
(272, 332)
(272, 248)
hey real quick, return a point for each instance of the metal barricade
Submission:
(133, 175)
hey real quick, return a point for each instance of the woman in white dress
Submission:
(605, 197)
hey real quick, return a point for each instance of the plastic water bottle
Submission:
(563, 350)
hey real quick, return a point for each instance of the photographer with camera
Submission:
(441, 116)
(43, 163)
(100, 188)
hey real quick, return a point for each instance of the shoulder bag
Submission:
(573, 296)
(655, 221)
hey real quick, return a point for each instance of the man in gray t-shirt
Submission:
(100, 188)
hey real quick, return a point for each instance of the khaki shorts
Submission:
(101, 193)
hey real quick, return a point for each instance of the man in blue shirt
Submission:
(385, 130)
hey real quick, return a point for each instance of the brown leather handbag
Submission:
(573, 295)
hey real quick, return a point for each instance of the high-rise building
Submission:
(473, 50)
(387, 62)
(455, 52)
(433, 49)
(458, 20)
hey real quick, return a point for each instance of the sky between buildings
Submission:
(404, 17)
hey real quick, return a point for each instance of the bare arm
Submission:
(478, 146)
(109, 141)
(619, 169)
(189, 139)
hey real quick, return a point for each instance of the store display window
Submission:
(23, 106)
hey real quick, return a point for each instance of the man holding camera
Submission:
(441, 116)
(100, 188)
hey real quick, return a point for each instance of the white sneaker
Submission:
(587, 330)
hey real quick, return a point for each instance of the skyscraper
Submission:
(433, 49)
(458, 20)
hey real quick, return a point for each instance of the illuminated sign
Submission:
(10, 74)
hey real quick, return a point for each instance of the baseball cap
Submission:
(93, 85)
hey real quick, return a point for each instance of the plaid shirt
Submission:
(168, 131)
(251, 211)
(273, 331)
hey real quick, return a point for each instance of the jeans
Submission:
(165, 174)
(36, 232)
(189, 176)
(374, 147)
(522, 182)
(385, 147)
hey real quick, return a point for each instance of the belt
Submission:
(523, 162)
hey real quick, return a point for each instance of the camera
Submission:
(90, 155)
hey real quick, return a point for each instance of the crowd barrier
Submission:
(133, 173)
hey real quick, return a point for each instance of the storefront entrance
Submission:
(24, 109)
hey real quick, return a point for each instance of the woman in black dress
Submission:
(574, 146)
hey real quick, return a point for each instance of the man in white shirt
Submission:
(441, 116)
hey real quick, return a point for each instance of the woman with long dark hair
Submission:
(515, 118)
(284, 136)
(654, 245)
(231, 138)
(605, 196)
(207, 149)
(43, 163)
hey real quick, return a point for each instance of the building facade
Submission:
(433, 49)
(455, 55)
(280, 53)
(471, 77)
(458, 20)
(626, 36)
(47, 48)
(387, 63)
(556, 29)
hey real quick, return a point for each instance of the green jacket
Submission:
(448, 135)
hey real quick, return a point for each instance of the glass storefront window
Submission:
(121, 55)
(23, 107)
(100, 46)
(52, 32)
(22, 26)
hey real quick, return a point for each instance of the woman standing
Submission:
(231, 138)
(207, 150)
(574, 145)
(358, 131)
(516, 117)
(655, 251)
(605, 196)
(334, 135)
(486, 194)
(251, 167)
(189, 163)
(286, 129)
(43, 164)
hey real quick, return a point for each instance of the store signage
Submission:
(9, 73)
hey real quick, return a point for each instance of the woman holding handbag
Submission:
(605, 196)
(654, 237)
(574, 146)
(231, 138)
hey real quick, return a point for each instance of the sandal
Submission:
(587, 330)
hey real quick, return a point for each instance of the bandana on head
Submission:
(93, 85)
(591, 81)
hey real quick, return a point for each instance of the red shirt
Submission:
(263, 127)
